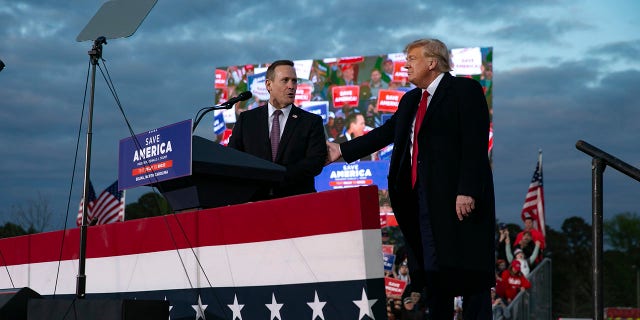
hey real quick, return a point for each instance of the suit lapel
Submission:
(289, 129)
(437, 98)
(405, 119)
(263, 131)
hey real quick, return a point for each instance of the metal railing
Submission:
(600, 161)
(534, 303)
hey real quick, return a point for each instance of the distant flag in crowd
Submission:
(534, 202)
(490, 137)
(108, 207)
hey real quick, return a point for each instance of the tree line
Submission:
(570, 252)
(35, 215)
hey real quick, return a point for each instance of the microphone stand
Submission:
(206, 110)
(95, 54)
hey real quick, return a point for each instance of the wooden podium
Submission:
(296, 257)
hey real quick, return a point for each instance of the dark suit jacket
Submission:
(302, 148)
(342, 138)
(453, 160)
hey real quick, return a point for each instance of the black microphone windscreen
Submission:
(245, 95)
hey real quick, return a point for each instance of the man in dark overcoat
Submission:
(440, 181)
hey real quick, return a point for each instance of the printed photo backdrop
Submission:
(336, 87)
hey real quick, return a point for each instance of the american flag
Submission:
(534, 201)
(92, 198)
(106, 208)
(490, 137)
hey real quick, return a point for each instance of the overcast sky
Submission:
(563, 71)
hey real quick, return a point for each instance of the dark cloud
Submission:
(549, 91)
(534, 29)
(551, 108)
(624, 51)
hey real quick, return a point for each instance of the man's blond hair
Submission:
(432, 48)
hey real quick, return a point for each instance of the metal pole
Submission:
(597, 172)
(600, 160)
(610, 160)
(81, 280)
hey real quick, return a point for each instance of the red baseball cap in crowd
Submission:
(515, 264)
(346, 66)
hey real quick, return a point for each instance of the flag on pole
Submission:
(92, 198)
(122, 204)
(108, 207)
(534, 202)
(490, 137)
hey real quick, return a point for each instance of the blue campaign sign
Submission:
(320, 108)
(385, 153)
(385, 116)
(340, 175)
(156, 155)
(257, 85)
(218, 122)
(387, 260)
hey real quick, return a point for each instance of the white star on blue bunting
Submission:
(235, 308)
(199, 308)
(365, 306)
(317, 307)
(274, 307)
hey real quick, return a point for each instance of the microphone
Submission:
(225, 105)
(241, 97)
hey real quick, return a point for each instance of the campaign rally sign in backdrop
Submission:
(324, 80)
(156, 155)
(320, 108)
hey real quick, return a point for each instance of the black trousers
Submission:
(476, 306)
(442, 286)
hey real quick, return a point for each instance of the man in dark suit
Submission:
(301, 148)
(441, 186)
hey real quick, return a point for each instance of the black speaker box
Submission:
(13, 302)
(82, 309)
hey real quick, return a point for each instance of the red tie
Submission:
(422, 110)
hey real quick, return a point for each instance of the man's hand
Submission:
(464, 206)
(333, 152)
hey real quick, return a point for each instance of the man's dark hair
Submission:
(271, 71)
(351, 118)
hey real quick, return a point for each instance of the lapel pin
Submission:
(295, 116)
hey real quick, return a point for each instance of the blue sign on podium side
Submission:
(156, 155)
(339, 175)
